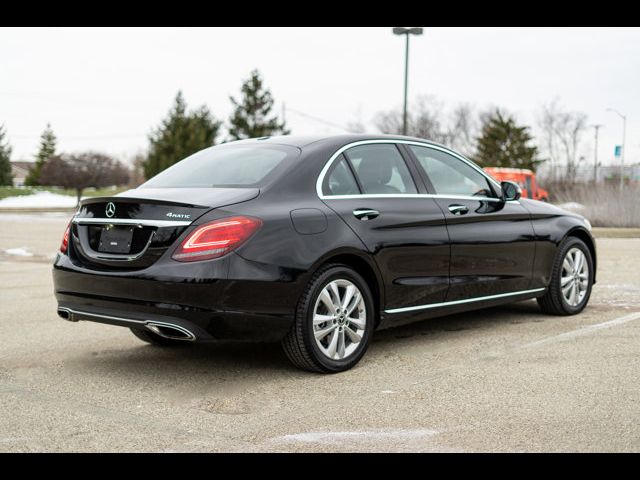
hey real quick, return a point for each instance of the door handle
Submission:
(459, 209)
(365, 213)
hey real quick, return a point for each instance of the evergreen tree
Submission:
(47, 150)
(250, 118)
(181, 134)
(503, 143)
(6, 178)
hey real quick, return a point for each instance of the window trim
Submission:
(337, 153)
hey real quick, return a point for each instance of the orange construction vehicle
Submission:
(523, 177)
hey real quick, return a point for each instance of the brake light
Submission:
(216, 238)
(64, 245)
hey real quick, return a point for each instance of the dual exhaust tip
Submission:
(166, 330)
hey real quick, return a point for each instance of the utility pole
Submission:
(595, 159)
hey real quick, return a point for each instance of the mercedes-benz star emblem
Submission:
(110, 210)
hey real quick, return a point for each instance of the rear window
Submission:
(227, 166)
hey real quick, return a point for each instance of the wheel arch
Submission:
(362, 264)
(589, 241)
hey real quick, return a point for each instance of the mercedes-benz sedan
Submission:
(316, 242)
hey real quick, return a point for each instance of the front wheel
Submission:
(334, 322)
(571, 279)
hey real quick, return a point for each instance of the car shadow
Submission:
(237, 360)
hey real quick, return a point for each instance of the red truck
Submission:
(523, 177)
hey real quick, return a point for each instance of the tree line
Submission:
(494, 137)
(491, 137)
(183, 132)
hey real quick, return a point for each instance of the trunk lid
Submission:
(133, 229)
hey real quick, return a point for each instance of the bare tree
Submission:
(464, 128)
(83, 170)
(561, 133)
(424, 120)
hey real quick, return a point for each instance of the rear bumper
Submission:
(225, 299)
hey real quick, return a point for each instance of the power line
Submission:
(89, 137)
(318, 119)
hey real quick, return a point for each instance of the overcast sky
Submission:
(105, 88)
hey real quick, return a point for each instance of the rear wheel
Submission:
(571, 279)
(334, 322)
(155, 339)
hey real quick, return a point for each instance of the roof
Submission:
(301, 141)
(22, 164)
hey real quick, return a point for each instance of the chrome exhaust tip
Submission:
(66, 314)
(170, 331)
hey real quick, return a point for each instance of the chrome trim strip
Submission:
(415, 195)
(145, 323)
(131, 221)
(327, 165)
(458, 302)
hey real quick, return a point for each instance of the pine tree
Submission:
(250, 118)
(503, 143)
(181, 134)
(47, 150)
(6, 178)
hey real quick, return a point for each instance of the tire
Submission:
(155, 339)
(554, 301)
(300, 344)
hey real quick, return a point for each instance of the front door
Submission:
(492, 241)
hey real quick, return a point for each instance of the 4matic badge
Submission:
(178, 215)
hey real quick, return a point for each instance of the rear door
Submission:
(375, 191)
(492, 242)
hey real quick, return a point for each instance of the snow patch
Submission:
(39, 200)
(573, 206)
(18, 252)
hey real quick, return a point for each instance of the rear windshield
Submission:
(227, 166)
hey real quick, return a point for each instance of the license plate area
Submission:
(115, 239)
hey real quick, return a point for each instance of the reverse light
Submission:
(64, 245)
(217, 238)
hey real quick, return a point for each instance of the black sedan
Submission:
(316, 242)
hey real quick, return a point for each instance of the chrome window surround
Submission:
(327, 166)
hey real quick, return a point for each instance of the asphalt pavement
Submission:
(500, 379)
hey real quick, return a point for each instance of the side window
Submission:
(381, 169)
(450, 175)
(339, 180)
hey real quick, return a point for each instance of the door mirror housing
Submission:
(510, 191)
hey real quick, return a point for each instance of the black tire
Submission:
(553, 302)
(300, 344)
(155, 339)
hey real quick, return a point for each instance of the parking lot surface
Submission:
(500, 379)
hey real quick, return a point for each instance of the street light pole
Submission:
(406, 85)
(595, 159)
(624, 136)
(406, 32)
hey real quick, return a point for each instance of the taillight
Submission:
(217, 238)
(64, 245)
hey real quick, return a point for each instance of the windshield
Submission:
(227, 166)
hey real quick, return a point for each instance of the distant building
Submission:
(20, 170)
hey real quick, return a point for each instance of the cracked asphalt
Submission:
(500, 379)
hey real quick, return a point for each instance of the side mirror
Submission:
(510, 191)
